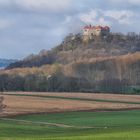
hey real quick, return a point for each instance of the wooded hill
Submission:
(110, 64)
(73, 49)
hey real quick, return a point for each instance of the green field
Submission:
(121, 125)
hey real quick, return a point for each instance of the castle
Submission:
(89, 32)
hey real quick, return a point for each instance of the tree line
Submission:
(1, 103)
(61, 83)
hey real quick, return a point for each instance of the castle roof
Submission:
(90, 27)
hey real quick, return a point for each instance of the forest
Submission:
(108, 65)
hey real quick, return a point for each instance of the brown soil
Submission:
(18, 105)
(94, 96)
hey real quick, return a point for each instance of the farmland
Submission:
(29, 103)
(69, 116)
(90, 125)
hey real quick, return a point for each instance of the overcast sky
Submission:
(28, 26)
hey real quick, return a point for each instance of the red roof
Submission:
(90, 27)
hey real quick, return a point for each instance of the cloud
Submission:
(53, 5)
(135, 2)
(89, 17)
(27, 26)
(107, 17)
(103, 21)
(131, 2)
(122, 16)
(39, 5)
(95, 17)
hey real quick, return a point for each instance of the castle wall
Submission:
(89, 32)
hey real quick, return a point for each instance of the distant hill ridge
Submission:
(5, 62)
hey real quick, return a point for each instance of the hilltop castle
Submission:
(89, 32)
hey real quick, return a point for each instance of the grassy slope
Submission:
(123, 125)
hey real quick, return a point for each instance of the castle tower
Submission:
(90, 32)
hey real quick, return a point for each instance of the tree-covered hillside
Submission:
(73, 49)
(110, 64)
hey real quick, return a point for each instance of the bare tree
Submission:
(1, 103)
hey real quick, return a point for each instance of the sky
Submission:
(28, 26)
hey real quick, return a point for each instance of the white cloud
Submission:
(103, 21)
(52, 5)
(94, 17)
(123, 16)
(102, 17)
(89, 17)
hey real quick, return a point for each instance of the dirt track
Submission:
(48, 124)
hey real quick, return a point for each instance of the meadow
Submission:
(122, 125)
